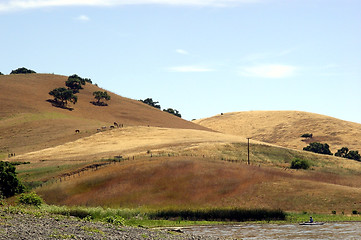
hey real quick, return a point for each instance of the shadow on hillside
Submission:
(99, 103)
(58, 105)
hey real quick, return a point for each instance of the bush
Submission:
(300, 164)
(9, 183)
(317, 147)
(30, 199)
(355, 212)
(115, 220)
(22, 71)
(1, 73)
(307, 135)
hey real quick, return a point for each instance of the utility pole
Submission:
(248, 151)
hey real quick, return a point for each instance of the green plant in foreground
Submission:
(30, 199)
(115, 220)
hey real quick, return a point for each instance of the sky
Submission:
(200, 57)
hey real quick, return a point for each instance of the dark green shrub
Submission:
(300, 164)
(30, 199)
(9, 183)
(1, 73)
(333, 211)
(355, 212)
(317, 147)
(22, 71)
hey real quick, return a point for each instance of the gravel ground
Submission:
(24, 226)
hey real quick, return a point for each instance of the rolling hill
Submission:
(284, 128)
(159, 160)
(28, 122)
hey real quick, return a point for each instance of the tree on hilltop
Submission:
(175, 112)
(9, 183)
(1, 73)
(150, 102)
(62, 96)
(22, 71)
(99, 95)
(75, 82)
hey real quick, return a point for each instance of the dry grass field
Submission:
(284, 128)
(167, 161)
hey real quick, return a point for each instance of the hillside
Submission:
(284, 128)
(162, 167)
(29, 122)
(159, 160)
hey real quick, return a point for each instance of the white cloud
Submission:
(181, 51)
(83, 18)
(11, 5)
(190, 69)
(268, 71)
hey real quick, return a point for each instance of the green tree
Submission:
(99, 95)
(173, 111)
(150, 102)
(62, 96)
(342, 152)
(353, 155)
(9, 183)
(1, 73)
(22, 71)
(75, 83)
(317, 147)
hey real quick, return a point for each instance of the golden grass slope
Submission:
(29, 122)
(284, 128)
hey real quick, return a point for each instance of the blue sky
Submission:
(201, 57)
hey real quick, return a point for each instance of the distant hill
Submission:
(29, 122)
(284, 128)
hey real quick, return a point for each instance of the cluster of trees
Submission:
(21, 71)
(154, 104)
(345, 153)
(64, 95)
(9, 183)
(74, 83)
(324, 148)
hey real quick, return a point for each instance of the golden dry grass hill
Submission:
(159, 160)
(284, 128)
(29, 122)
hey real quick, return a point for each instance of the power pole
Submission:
(248, 151)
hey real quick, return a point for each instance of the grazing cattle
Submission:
(111, 127)
(77, 131)
(116, 124)
(99, 130)
(104, 127)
